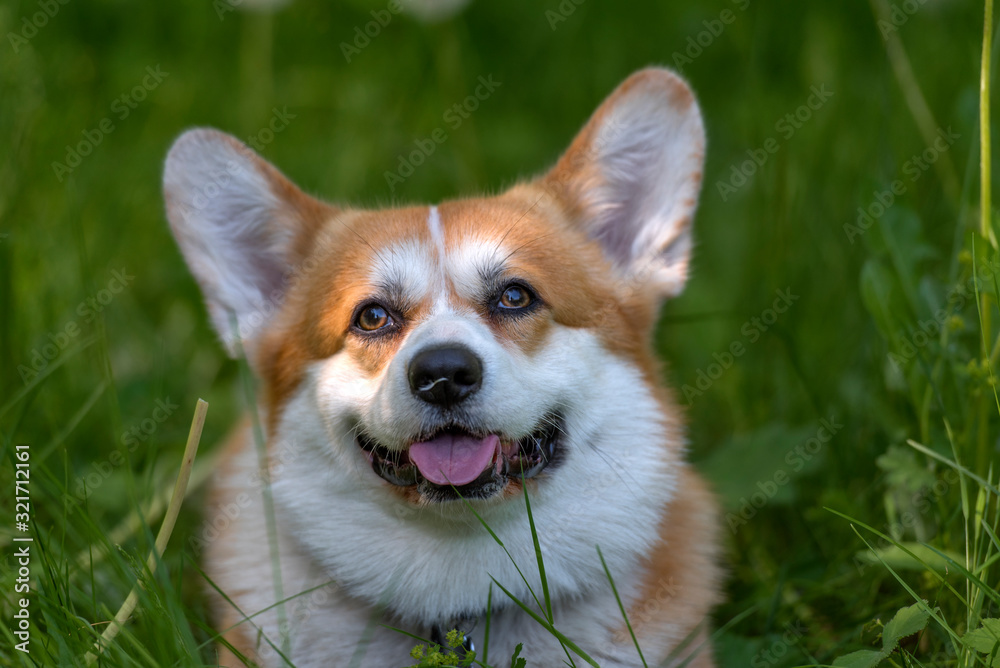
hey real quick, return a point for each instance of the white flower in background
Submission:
(259, 5)
(431, 11)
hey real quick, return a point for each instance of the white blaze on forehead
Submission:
(406, 266)
(437, 234)
(437, 238)
(413, 267)
(472, 259)
(418, 269)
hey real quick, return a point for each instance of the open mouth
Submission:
(454, 462)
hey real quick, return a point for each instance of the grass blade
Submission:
(538, 553)
(923, 604)
(621, 607)
(166, 528)
(504, 548)
(547, 626)
(958, 467)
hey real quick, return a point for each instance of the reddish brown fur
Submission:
(685, 567)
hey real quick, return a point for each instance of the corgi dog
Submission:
(439, 387)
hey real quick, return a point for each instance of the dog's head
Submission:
(428, 358)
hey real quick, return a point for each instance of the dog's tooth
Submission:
(386, 465)
(403, 476)
(500, 462)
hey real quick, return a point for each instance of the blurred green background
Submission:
(857, 297)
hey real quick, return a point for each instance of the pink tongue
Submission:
(450, 459)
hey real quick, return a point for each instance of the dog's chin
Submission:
(513, 461)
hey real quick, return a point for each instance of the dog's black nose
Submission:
(445, 376)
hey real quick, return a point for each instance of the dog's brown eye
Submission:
(373, 317)
(515, 296)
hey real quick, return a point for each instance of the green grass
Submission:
(888, 340)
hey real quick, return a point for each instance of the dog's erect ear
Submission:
(632, 176)
(243, 228)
